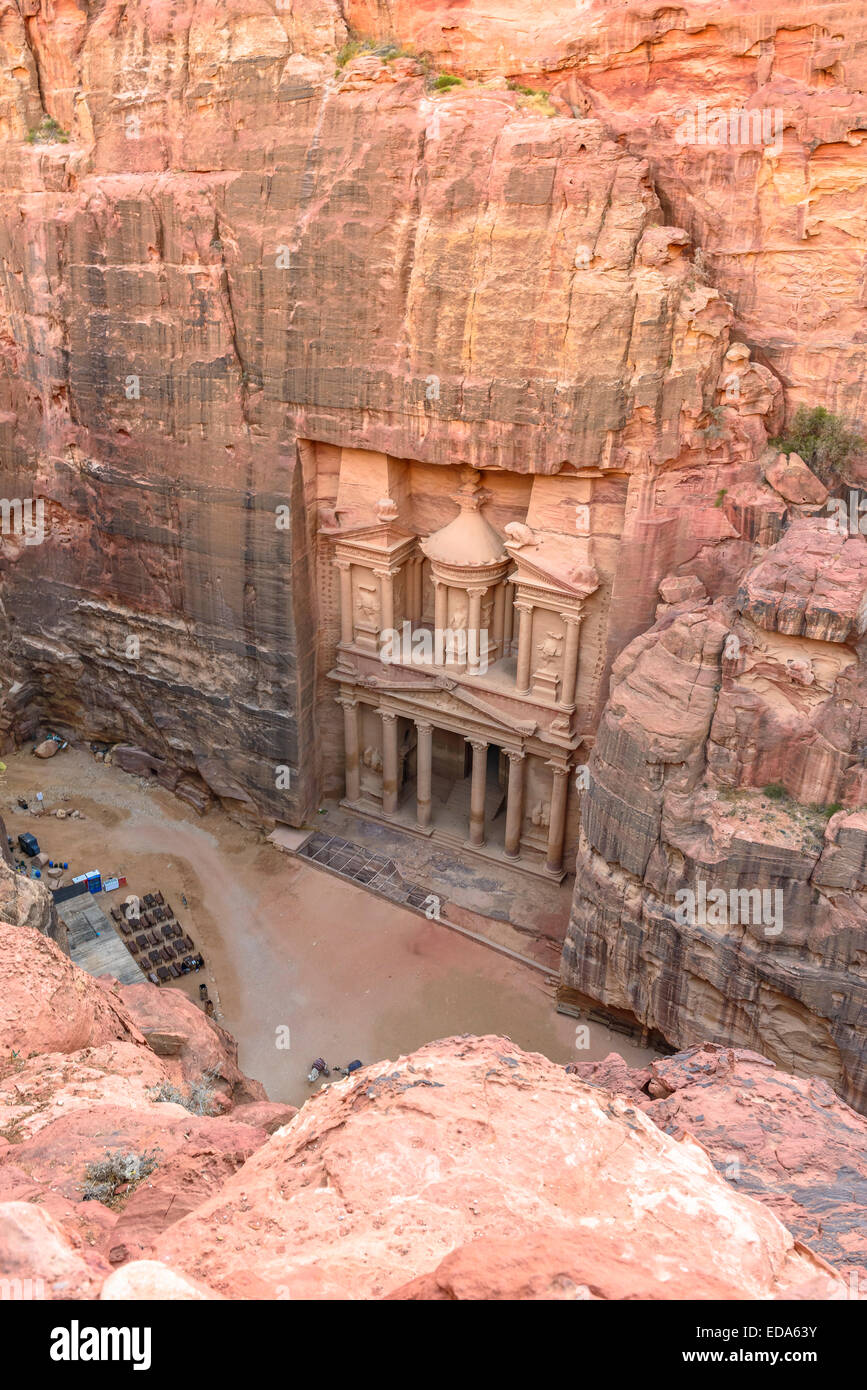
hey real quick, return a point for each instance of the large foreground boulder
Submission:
(469, 1169)
(473, 1169)
(790, 1142)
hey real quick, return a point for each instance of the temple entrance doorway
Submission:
(452, 766)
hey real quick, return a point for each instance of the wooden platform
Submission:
(93, 942)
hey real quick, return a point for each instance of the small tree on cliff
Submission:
(824, 441)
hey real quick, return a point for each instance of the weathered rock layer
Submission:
(225, 253)
(470, 1169)
(730, 762)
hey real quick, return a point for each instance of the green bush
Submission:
(445, 80)
(386, 51)
(535, 98)
(350, 50)
(776, 791)
(824, 441)
(46, 132)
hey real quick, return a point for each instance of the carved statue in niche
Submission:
(372, 758)
(458, 620)
(367, 603)
(541, 814)
(551, 647)
(487, 614)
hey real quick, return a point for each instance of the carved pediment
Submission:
(364, 544)
(463, 704)
(556, 564)
(437, 692)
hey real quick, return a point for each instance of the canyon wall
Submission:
(781, 221)
(731, 759)
(227, 251)
(239, 247)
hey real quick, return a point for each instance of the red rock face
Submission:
(774, 194)
(791, 1143)
(232, 245)
(729, 761)
(522, 1226)
(241, 248)
(79, 1069)
(469, 1169)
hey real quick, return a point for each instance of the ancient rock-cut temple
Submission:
(457, 658)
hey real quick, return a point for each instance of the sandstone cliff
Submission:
(228, 249)
(791, 1143)
(469, 1169)
(782, 221)
(731, 754)
(229, 243)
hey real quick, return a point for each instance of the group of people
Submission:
(207, 1003)
(320, 1068)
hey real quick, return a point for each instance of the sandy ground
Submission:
(292, 953)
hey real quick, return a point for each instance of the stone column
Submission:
(441, 617)
(413, 587)
(514, 802)
(557, 822)
(387, 608)
(351, 747)
(478, 787)
(570, 659)
(424, 752)
(508, 617)
(525, 647)
(389, 762)
(474, 628)
(499, 618)
(347, 627)
(419, 588)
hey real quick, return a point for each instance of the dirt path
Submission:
(289, 946)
